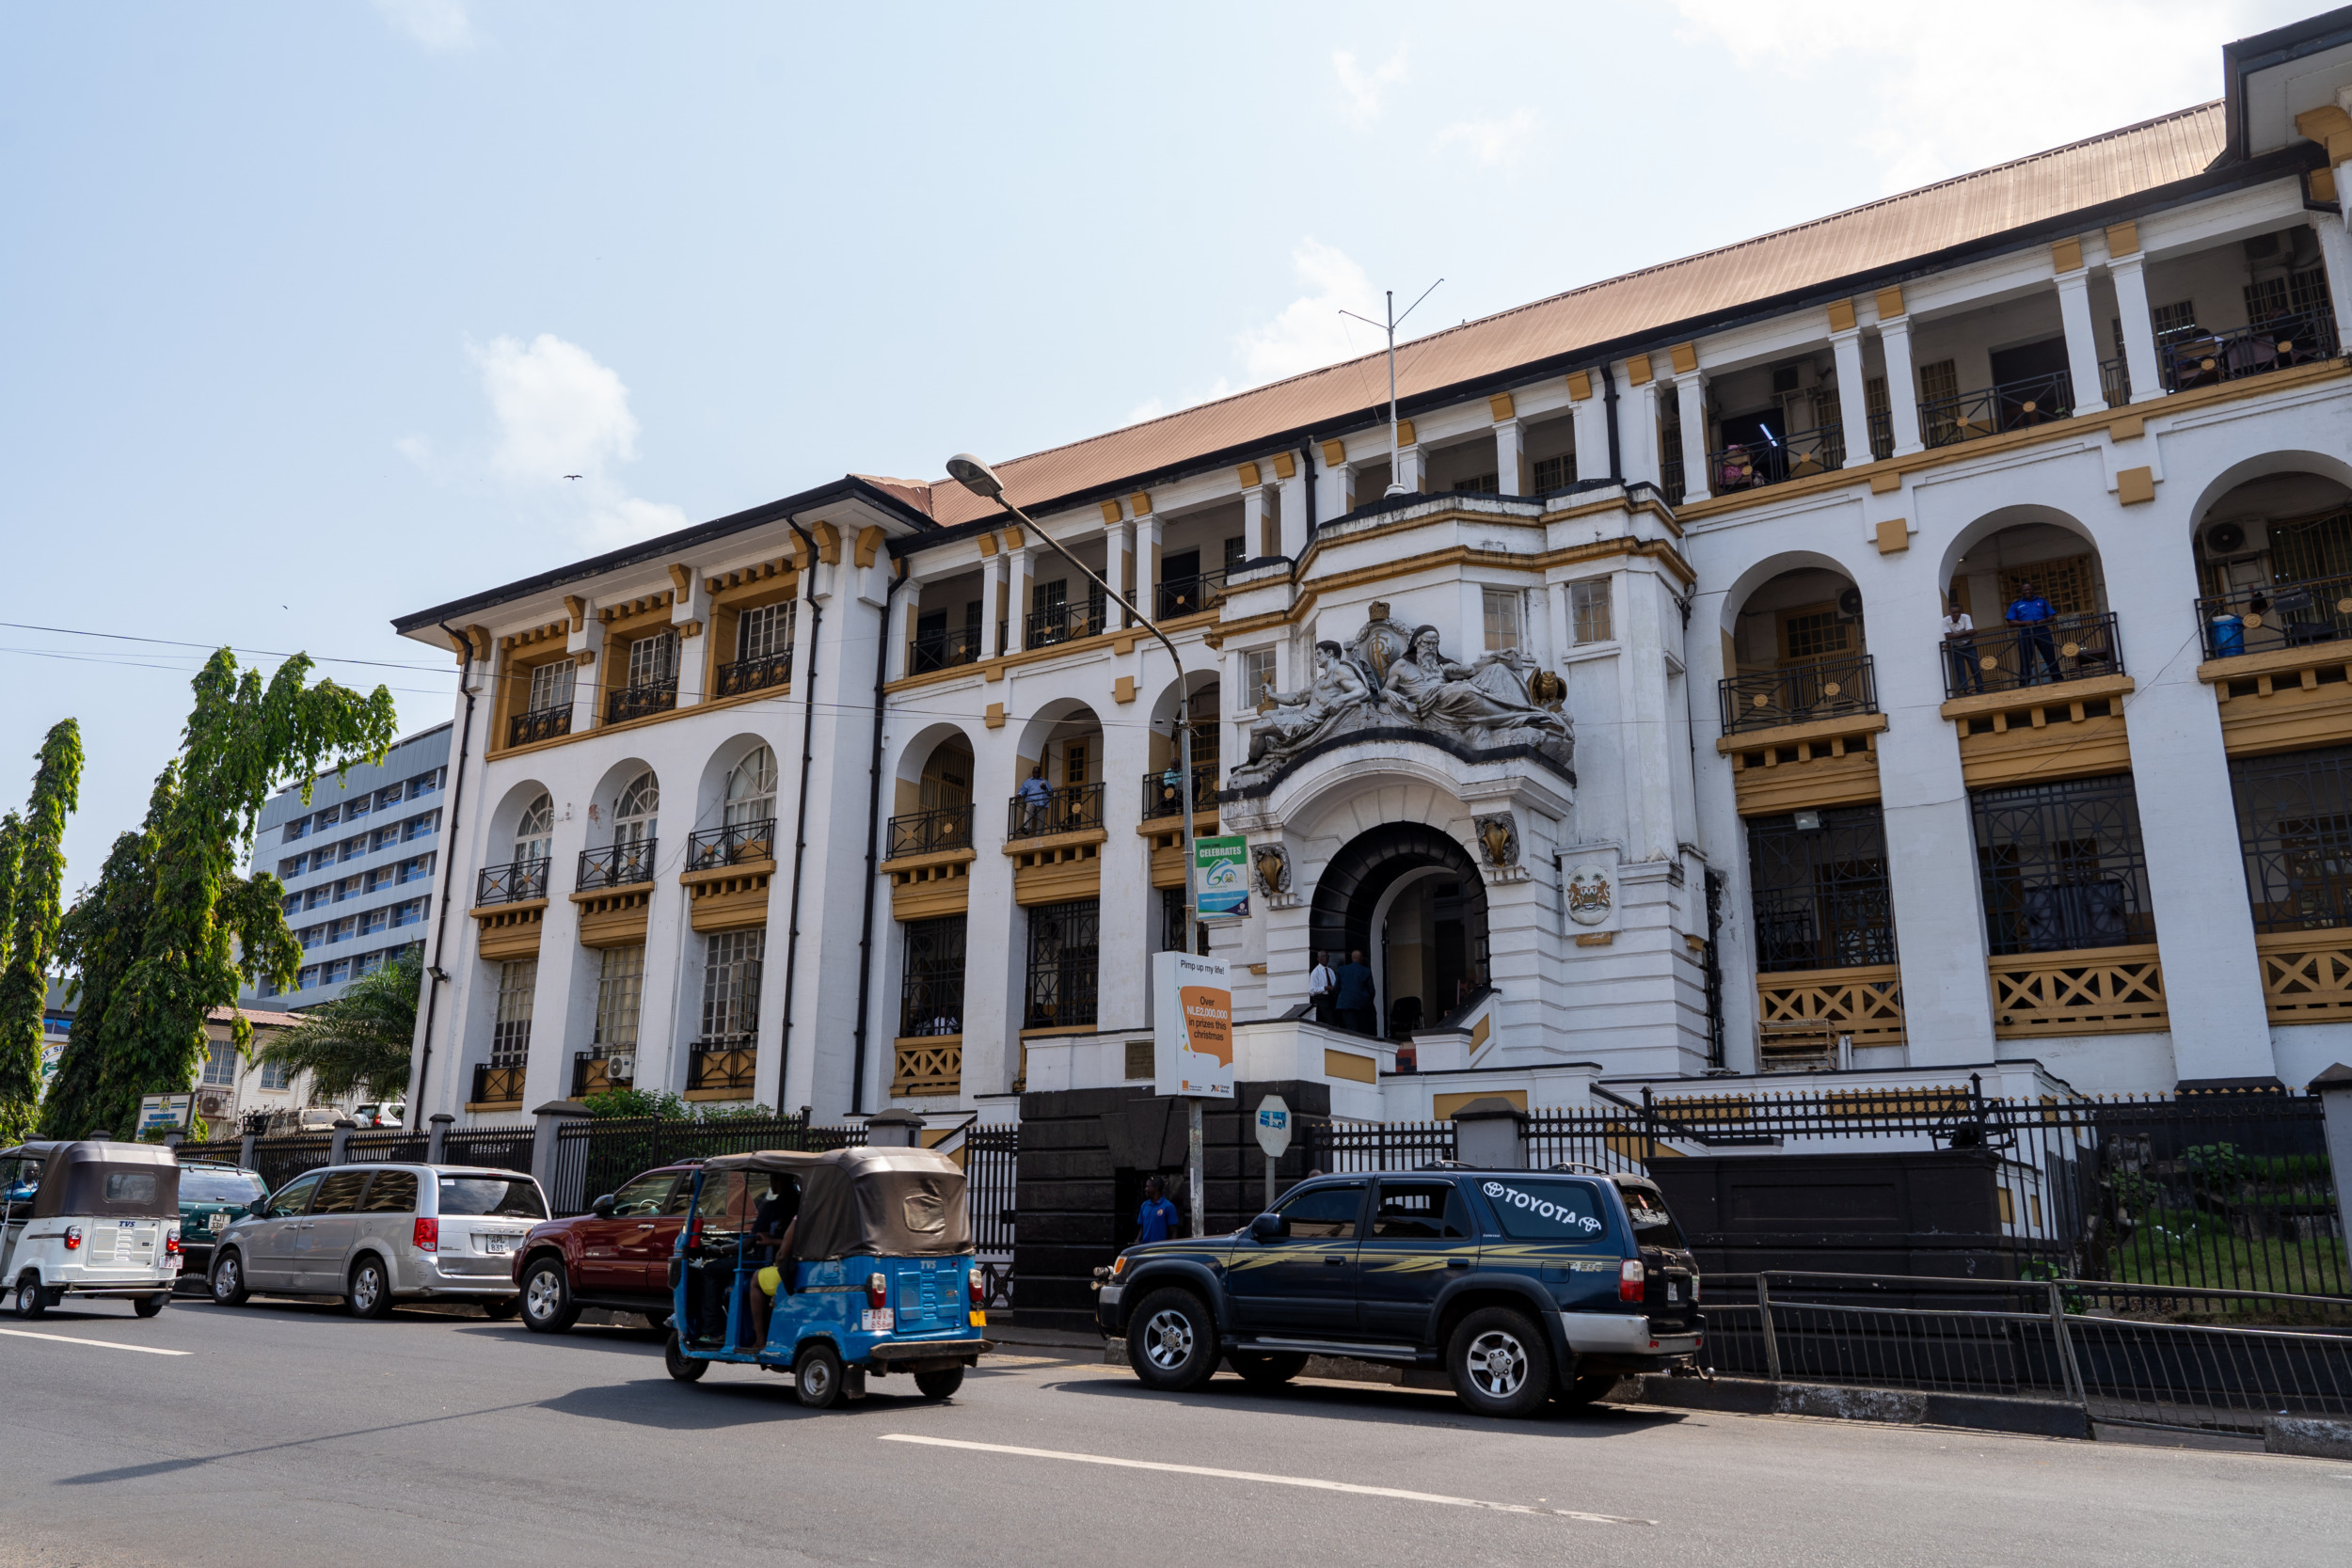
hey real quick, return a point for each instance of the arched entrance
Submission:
(1411, 899)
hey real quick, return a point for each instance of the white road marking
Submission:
(103, 1344)
(1309, 1481)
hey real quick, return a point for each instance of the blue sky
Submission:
(306, 309)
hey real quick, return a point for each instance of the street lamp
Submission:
(979, 478)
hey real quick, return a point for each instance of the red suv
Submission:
(617, 1255)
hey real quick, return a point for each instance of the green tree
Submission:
(31, 918)
(360, 1039)
(97, 946)
(202, 926)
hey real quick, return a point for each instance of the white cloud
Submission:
(1365, 90)
(1935, 91)
(1309, 331)
(1491, 141)
(435, 24)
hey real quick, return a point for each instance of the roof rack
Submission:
(1576, 1165)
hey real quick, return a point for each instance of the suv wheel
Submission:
(368, 1293)
(31, 1300)
(1171, 1341)
(228, 1281)
(1267, 1371)
(1500, 1363)
(548, 1306)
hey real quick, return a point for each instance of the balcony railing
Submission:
(617, 865)
(594, 1072)
(1190, 595)
(1882, 426)
(2065, 648)
(723, 1065)
(2287, 615)
(540, 723)
(1749, 465)
(2212, 357)
(1068, 810)
(926, 833)
(1768, 699)
(2115, 382)
(944, 650)
(1164, 789)
(2011, 406)
(731, 846)
(635, 702)
(1062, 623)
(512, 883)
(748, 674)
(497, 1085)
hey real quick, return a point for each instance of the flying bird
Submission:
(571, 476)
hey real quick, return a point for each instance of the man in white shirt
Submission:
(1960, 643)
(1322, 985)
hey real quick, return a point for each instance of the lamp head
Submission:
(975, 476)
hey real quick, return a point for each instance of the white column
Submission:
(1853, 395)
(902, 635)
(1294, 492)
(1902, 388)
(1556, 618)
(1147, 564)
(992, 603)
(1637, 432)
(2335, 251)
(1592, 433)
(2139, 331)
(1406, 470)
(1253, 522)
(1123, 548)
(1017, 599)
(1691, 392)
(1510, 465)
(2082, 341)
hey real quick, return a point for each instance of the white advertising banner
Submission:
(1192, 1031)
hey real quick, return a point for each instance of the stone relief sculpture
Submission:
(1390, 677)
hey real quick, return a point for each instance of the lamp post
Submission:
(979, 478)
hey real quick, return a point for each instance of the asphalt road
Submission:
(288, 1433)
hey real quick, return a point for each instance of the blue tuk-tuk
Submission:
(878, 1277)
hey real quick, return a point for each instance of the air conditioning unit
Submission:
(212, 1104)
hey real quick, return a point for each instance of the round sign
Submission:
(1274, 1126)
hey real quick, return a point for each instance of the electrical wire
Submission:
(256, 653)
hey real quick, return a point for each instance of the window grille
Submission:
(635, 814)
(620, 990)
(510, 1036)
(1588, 606)
(930, 987)
(274, 1075)
(1938, 380)
(1670, 445)
(2177, 320)
(2295, 826)
(1172, 923)
(1814, 633)
(1503, 615)
(552, 685)
(220, 1066)
(731, 965)
(1822, 897)
(1878, 415)
(765, 632)
(1554, 473)
(2063, 865)
(2306, 548)
(1474, 485)
(2070, 584)
(1063, 958)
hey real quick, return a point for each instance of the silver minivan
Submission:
(372, 1234)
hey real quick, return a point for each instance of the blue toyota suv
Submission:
(1524, 1286)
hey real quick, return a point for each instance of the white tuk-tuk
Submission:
(90, 1218)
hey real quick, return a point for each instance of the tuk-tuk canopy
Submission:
(884, 1202)
(111, 1180)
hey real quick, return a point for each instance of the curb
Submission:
(2312, 1439)
(1887, 1406)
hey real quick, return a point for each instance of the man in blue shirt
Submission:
(1354, 994)
(1157, 1220)
(2031, 614)
(1034, 792)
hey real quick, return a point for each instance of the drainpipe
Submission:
(1307, 457)
(433, 974)
(800, 831)
(1608, 388)
(873, 825)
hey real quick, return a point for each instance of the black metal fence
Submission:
(512, 883)
(1767, 698)
(2011, 406)
(732, 845)
(595, 1157)
(1164, 790)
(755, 674)
(636, 702)
(2275, 617)
(543, 724)
(2005, 658)
(927, 832)
(617, 864)
(1073, 808)
(1366, 1146)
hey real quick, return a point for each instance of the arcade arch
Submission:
(2273, 547)
(1794, 647)
(1411, 899)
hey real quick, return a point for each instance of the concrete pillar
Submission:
(1408, 473)
(436, 1140)
(2335, 251)
(338, 1142)
(245, 1149)
(2082, 341)
(1853, 397)
(1637, 432)
(1017, 600)
(900, 653)
(1591, 416)
(549, 1121)
(1510, 460)
(893, 1130)
(992, 603)
(1902, 386)
(1556, 619)
(1253, 511)
(1122, 563)
(1490, 1133)
(2139, 330)
(1691, 393)
(2334, 1089)
(1294, 492)
(1148, 563)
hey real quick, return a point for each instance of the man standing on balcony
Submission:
(1960, 645)
(2031, 614)
(1035, 793)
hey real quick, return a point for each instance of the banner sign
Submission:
(1221, 876)
(1192, 1026)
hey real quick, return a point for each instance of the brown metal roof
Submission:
(1874, 238)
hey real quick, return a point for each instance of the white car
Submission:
(380, 1115)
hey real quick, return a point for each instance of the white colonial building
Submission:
(1624, 736)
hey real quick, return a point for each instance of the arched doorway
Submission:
(1409, 898)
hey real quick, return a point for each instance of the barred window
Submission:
(2063, 865)
(2294, 825)
(1554, 473)
(220, 1064)
(510, 1036)
(620, 988)
(2177, 320)
(1822, 900)
(552, 685)
(1588, 608)
(1063, 959)
(765, 632)
(1502, 607)
(930, 990)
(731, 961)
(274, 1075)
(1939, 379)
(1814, 633)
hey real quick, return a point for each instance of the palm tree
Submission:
(359, 1040)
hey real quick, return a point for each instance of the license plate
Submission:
(875, 1320)
(217, 1224)
(1673, 1293)
(494, 1243)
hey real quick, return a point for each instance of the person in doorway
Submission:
(1354, 994)
(1321, 990)
(772, 1223)
(1034, 795)
(1157, 1220)
(1960, 646)
(2031, 614)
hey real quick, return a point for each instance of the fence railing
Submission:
(2010, 657)
(1750, 465)
(927, 832)
(636, 702)
(513, 883)
(1071, 809)
(596, 1156)
(755, 674)
(2283, 615)
(2011, 406)
(1353, 1146)
(927, 1066)
(722, 1066)
(733, 845)
(2115, 382)
(1062, 623)
(496, 1086)
(1164, 791)
(544, 723)
(2299, 339)
(1190, 595)
(943, 650)
(617, 864)
(1799, 694)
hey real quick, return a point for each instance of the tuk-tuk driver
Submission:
(772, 1224)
